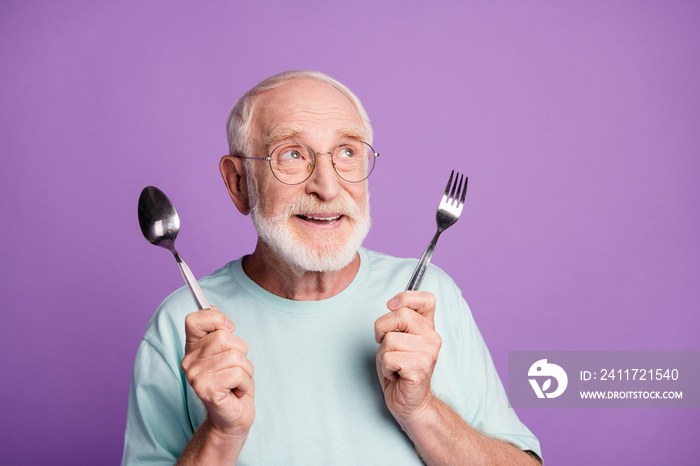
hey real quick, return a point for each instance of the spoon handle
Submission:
(197, 294)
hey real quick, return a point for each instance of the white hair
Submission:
(240, 118)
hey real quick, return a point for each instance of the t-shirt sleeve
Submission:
(486, 407)
(157, 429)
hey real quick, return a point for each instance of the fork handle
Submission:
(419, 273)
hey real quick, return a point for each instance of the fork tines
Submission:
(449, 197)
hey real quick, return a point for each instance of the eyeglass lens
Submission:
(293, 163)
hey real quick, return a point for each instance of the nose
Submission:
(324, 182)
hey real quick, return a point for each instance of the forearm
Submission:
(208, 446)
(442, 437)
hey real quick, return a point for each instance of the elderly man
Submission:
(346, 370)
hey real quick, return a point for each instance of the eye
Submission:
(291, 155)
(346, 152)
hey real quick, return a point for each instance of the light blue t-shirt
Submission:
(317, 396)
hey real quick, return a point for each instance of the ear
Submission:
(233, 173)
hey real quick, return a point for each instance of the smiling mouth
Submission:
(320, 220)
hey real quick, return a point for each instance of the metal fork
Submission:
(447, 214)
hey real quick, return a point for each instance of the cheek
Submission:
(360, 195)
(274, 199)
(269, 205)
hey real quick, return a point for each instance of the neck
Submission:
(278, 277)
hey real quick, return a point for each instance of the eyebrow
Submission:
(294, 131)
(288, 132)
(352, 132)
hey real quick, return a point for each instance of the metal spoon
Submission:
(160, 225)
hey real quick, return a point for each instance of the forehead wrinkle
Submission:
(283, 120)
(286, 132)
(322, 109)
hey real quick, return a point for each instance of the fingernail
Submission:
(393, 303)
(229, 324)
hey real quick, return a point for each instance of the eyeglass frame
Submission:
(268, 159)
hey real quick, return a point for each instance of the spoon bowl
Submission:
(158, 218)
(160, 225)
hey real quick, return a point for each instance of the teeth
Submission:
(327, 219)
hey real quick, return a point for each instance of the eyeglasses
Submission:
(294, 162)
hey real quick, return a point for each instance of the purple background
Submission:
(576, 123)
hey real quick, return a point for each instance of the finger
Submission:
(235, 379)
(216, 386)
(403, 320)
(394, 363)
(421, 353)
(218, 342)
(381, 366)
(200, 323)
(420, 301)
(412, 367)
(401, 341)
(194, 367)
(385, 376)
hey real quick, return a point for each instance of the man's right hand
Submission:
(217, 368)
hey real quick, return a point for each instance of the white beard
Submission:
(317, 253)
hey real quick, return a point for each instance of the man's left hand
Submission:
(408, 351)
